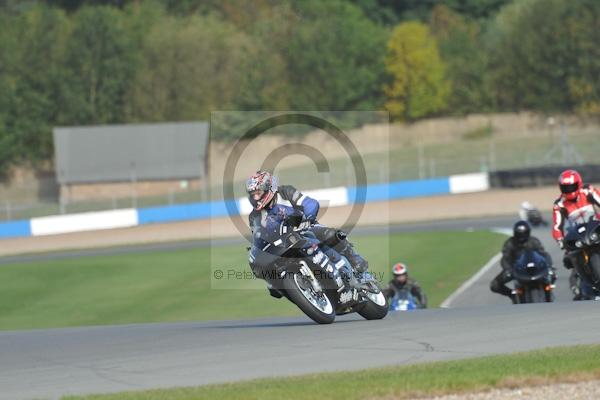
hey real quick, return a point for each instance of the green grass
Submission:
(543, 366)
(177, 285)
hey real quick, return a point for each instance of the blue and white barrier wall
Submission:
(339, 196)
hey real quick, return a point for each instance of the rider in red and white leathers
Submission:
(575, 205)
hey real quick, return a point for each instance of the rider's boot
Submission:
(346, 249)
(336, 239)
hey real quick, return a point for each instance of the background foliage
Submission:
(76, 62)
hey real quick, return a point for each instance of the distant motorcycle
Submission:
(532, 215)
(582, 243)
(403, 300)
(533, 280)
(535, 218)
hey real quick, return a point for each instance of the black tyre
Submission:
(519, 299)
(376, 306)
(536, 295)
(317, 307)
(594, 265)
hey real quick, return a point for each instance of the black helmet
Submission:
(521, 231)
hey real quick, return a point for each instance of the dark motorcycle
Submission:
(295, 266)
(531, 214)
(582, 243)
(535, 218)
(533, 280)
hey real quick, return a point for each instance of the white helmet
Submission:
(399, 269)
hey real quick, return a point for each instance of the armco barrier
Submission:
(333, 197)
(540, 176)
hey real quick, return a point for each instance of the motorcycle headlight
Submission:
(579, 244)
(594, 237)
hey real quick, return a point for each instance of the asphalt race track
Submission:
(50, 363)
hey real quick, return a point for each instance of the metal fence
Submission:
(566, 147)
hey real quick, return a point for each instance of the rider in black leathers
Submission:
(513, 247)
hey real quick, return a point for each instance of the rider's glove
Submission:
(561, 244)
(287, 192)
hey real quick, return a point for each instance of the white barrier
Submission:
(84, 222)
(332, 197)
(469, 183)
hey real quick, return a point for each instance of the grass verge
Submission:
(176, 285)
(562, 364)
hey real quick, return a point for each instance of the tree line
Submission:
(77, 62)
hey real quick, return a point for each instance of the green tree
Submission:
(475, 8)
(461, 48)
(418, 87)
(391, 12)
(101, 62)
(35, 83)
(190, 66)
(8, 62)
(544, 56)
(581, 28)
(526, 67)
(265, 83)
(334, 58)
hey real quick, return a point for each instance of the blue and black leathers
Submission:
(270, 222)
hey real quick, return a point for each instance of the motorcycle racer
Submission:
(269, 216)
(575, 205)
(512, 249)
(402, 281)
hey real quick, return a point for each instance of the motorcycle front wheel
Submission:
(316, 306)
(594, 264)
(536, 295)
(376, 306)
